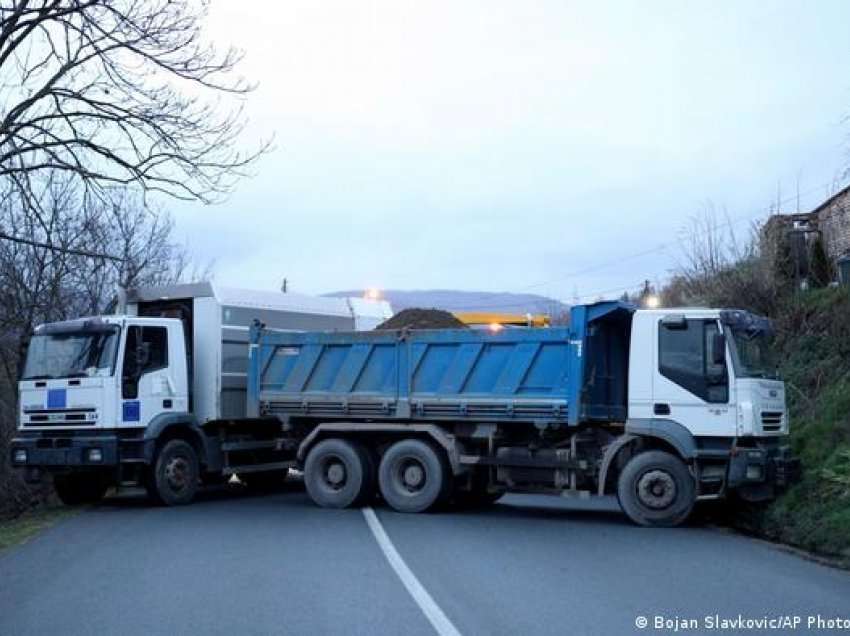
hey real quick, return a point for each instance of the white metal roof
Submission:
(371, 308)
(300, 303)
(274, 300)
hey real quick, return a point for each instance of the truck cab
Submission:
(103, 373)
(706, 380)
(91, 391)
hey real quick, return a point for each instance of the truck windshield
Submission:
(753, 354)
(71, 355)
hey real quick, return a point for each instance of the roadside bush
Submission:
(813, 335)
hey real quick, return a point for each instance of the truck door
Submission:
(691, 381)
(147, 388)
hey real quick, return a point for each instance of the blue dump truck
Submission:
(661, 408)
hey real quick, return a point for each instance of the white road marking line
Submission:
(429, 607)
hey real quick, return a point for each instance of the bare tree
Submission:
(118, 92)
(719, 269)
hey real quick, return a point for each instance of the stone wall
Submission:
(833, 220)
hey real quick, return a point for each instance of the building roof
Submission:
(831, 200)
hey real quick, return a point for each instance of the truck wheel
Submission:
(81, 488)
(413, 476)
(174, 481)
(656, 489)
(339, 473)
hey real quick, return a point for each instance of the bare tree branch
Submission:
(121, 92)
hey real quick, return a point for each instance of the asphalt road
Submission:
(275, 564)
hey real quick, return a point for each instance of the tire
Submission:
(339, 473)
(656, 489)
(266, 481)
(176, 474)
(80, 488)
(413, 476)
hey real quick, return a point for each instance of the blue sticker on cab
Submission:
(56, 398)
(132, 411)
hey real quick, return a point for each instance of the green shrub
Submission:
(813, 330)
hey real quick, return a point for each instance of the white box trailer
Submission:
(216, 320)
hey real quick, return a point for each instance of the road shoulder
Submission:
(20, 529)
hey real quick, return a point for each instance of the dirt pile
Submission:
(415, 318)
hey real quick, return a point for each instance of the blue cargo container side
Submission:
(520, 375)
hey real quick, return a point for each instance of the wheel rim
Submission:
(657, 489)
(334, 473)
(178, 473)
(411, 475)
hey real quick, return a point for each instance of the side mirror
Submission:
(718, 348)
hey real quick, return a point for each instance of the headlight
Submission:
(20, 456)
(95, 455)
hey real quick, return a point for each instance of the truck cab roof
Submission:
(97, 323)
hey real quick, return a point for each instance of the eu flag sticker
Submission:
(132, 412)
(56, 399)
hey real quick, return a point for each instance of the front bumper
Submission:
(58, 451)
(759, 471)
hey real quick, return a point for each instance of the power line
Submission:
(55, 248)
(658, 248)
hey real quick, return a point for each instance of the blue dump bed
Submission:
(549, 376)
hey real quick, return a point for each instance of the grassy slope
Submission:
(814, 337)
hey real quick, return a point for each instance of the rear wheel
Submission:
(80, 488)
(339, 473)
(413, 476)
(176, 474)
(655, 488)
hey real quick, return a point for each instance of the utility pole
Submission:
(284, 286)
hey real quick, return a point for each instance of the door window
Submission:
(685, 358)
(146, 350)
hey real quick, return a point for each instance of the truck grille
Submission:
(60, 417)
(771, 421)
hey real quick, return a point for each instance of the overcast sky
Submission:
(505, 146)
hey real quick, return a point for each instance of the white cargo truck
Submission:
(100, 396)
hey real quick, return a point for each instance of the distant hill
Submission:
(452, 300)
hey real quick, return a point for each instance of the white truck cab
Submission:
(711, 375)
(106, 372)
(706, 380)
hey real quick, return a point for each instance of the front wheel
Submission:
(656, 489)
(80, 488)
(176, 473)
